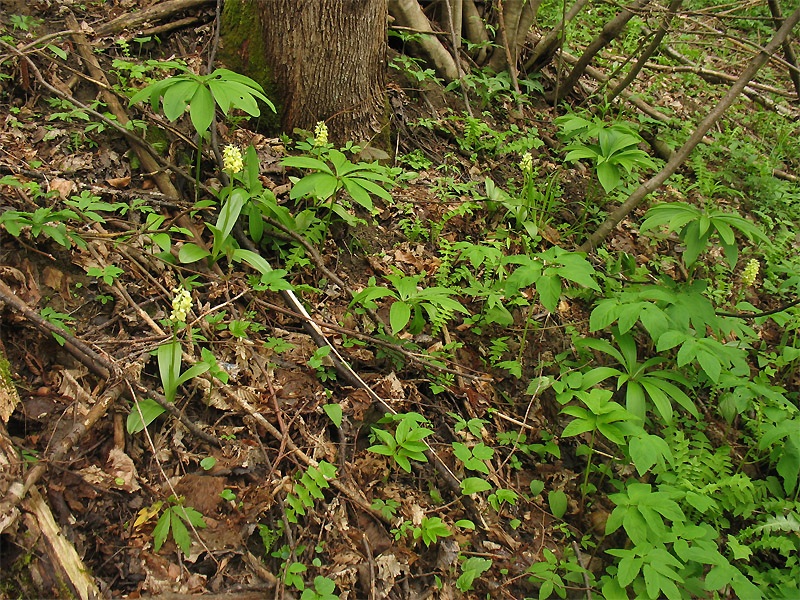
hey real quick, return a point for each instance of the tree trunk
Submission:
(328, 61)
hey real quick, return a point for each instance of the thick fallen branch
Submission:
(157, 12)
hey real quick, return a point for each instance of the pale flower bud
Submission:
(320, 134)
(750, 272)
(181, 305)
(232, 159)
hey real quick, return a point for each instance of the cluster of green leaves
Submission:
(615, 151)
(307, 488)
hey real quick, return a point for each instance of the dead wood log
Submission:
(157, 12)
(60, 551)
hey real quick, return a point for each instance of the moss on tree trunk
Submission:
(242, 50)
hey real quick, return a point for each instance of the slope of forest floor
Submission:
(269, 456)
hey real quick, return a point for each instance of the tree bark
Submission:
(788, 51)
(548, 44)
(328, 61)
(409, 14)
(610, 31)
(681, 155)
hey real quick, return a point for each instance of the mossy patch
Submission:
(242, 51)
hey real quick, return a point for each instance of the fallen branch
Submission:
(158, 12)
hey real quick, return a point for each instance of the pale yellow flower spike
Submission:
(232, 159)
(181, 305)
(750, 272)
(320, 134)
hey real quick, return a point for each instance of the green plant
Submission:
(108, 274)
(410, 300)
(429, 530)
(545, 573)
(473, 458)
(336, 173)
(59, 320)
(24, 22)
(601, 415)
(406, 443)
(641, 381)
(696, 227)
(388, 508)
(616, 148)
(323, 590)
(173, 520)
(307, 488)
(472, 568)
(201, 93)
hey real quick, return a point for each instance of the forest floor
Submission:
(375, 530)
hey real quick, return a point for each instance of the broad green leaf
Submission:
(177, 96)
(549, 289)
(557, 500)
(151, 410)
(201, 109)
(229, 214)
(190, 253)
(179, 532)
(258, 262)
(608, 175)
(358, 193)
(334, 412)
(399, 315)
(474, 485)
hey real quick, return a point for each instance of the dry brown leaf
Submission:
(119, 182)
(64, 187)
(121, 466)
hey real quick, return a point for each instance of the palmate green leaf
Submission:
(177, 96)
(179, 531)
(608, 176)
(161, 529)
(201, 109)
